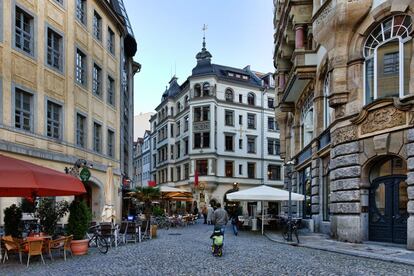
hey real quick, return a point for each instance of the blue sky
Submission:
(169, 35)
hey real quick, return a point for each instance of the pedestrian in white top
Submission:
(210, 212)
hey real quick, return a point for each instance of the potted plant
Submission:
(147, 195)
(12, 221)
(49, 213)
(79, 220)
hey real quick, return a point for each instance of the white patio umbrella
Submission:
(264, 193)
(168, 189)
(108, 212)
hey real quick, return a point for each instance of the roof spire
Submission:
(204, 36)
(204, 54)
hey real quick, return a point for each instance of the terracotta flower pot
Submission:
(79, 247)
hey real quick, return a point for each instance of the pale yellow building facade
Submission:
(60, 87)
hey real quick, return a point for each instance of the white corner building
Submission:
(220, 122)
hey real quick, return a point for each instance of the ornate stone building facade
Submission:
(345, 108)
(64, 64)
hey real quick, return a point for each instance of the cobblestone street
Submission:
(185, 251)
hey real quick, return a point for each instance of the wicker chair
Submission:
(12, 246)
(35, 249)
(56, 245)
(66, 246)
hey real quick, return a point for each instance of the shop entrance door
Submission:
(388, 209)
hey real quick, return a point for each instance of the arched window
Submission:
(229, 95)
(185, 101)
(306, 122)
(197, 90)
(387, 53)
(172, 111)
(327, 110)
(178, 107)
(250, 99)
(206, 89)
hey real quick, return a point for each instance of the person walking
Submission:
(210, 212)
(204, 212)
(235, 222)
(220, 218)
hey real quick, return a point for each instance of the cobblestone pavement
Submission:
(186, 251)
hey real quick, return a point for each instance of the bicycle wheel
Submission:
(102, 244)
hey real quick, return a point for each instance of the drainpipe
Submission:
(263, 127)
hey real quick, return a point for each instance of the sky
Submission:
(169, 35)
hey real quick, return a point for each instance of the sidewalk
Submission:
(373, 250)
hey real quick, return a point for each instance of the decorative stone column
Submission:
(299, 37)
(345, 195)
(410, 189)
(282, 80)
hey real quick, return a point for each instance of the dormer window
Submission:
(229, 95)
(230, 74)
(206, 89)
(250, 99)
(245, 77)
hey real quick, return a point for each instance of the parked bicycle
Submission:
(163, 222)
(293, 227)
(98, 240)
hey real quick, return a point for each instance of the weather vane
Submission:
(205, 29)
(204, 35)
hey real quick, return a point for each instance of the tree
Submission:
(147, 195)
(50, 212)
(12, 220)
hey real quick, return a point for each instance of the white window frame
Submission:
(368, 56)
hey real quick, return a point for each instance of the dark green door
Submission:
(388, 209)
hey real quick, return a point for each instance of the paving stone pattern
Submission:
(186, 251)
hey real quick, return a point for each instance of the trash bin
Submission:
(254, 224)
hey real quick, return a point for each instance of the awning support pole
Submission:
(262, 217)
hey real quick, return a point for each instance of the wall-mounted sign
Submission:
(85, 174)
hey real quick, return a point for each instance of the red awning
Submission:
(23, 179)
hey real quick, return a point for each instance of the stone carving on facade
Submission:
(384, 118)
(344, 134)
(382, 115)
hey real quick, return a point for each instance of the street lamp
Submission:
(289, 172)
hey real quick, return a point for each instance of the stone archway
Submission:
(94, 197)
(387, 199)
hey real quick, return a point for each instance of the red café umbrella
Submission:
(23, 179)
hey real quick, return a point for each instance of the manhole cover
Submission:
(174, 234)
